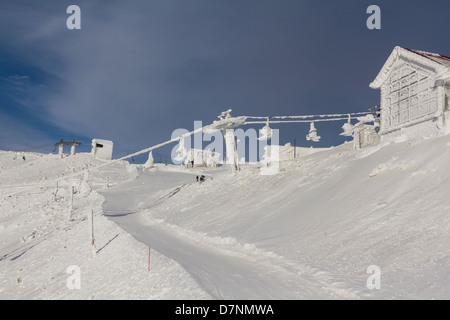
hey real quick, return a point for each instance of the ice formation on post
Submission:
(312, 135)
(150, 160)
(265, 132)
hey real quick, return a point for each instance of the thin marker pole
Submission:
(94, 250)
(148, 259)
(295, 147)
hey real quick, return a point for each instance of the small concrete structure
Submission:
(102, 149)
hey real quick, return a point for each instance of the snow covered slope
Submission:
(310, 231)
(41, 239)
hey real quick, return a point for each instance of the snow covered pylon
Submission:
(226, 121)
(181, 151)
(312, 135)
(231, 151)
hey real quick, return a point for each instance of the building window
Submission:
(408, 96)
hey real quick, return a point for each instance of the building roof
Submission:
(437, 62)
(443, 60)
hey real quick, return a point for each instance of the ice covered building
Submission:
(102, 149)
(202, 158)
(415, 90)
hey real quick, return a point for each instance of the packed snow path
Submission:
(223, 273)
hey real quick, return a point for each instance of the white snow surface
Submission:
(309, 232)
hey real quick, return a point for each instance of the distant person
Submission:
(202, 178)
(197, 178)
(23, 158)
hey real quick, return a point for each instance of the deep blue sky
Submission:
(137, 70)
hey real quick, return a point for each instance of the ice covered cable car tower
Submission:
(363, 134)
(227, 124)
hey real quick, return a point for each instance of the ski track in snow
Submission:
(279, 277)
(226, 268)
